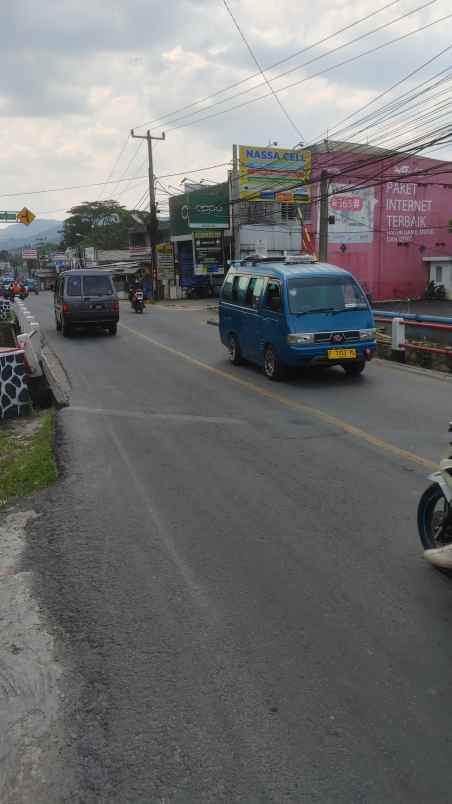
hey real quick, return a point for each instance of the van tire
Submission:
(273, 368)
(66, 330)
(235, 355)
(354, 369)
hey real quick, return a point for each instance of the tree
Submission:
(102, 224)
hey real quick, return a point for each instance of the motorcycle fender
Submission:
(444, 482)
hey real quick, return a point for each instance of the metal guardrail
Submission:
(397, 339)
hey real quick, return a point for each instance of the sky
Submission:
(76, 77)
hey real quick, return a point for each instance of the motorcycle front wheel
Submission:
(434, 518)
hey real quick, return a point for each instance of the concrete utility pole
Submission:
(153, 228)
(323, 229)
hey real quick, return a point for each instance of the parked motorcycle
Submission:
(434, 515)
(138, 301)
(435, 290)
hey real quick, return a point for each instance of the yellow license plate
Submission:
(342, 354)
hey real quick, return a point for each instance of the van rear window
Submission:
(74, 286)
(97, 286)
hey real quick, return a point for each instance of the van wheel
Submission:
(354, 369)
(113, 328)
(66, 330)
(235, 355)
(273, 368)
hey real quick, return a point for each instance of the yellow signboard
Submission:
(274, 174)
(25, 216)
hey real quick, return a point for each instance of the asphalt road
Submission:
(232, 571)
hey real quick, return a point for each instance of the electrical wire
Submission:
(324, 71)
(305, 64)
(271, 66)
(259, 67)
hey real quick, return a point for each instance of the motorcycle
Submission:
(434, 515)
(435, 290)
(138, 301)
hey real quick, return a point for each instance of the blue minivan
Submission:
(293, 313)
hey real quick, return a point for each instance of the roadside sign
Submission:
(29, 254)
(5, 217)
(26, 216)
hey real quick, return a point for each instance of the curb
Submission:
(435, 375)
(60, 387)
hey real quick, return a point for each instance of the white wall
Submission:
(272, 240)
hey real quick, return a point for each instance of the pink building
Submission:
(391, 217)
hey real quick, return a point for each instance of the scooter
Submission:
(435, 290)
(138, 301)
(434, 515)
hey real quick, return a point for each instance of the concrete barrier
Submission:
(29, 338)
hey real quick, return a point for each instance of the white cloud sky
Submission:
(76, 77)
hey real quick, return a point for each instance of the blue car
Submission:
(294, 313)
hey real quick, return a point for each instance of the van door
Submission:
(273, 328)
(253, 324)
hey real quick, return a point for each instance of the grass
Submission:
(26, 456)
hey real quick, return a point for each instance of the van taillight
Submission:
(115, 306)
(65, 308)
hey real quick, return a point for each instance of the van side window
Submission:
(74, 286)
(227, 288)
(272, 298)
(254, 291)
(239, 288)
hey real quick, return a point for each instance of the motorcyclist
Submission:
(137, 286)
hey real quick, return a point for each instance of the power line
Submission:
(314, 75)
(111, 181)
(251, 52)
(311, 61)
(386, 92)
(271, 66)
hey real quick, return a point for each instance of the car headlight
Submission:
(367, 334)
(300, 338)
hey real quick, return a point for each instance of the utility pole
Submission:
(323, 233)
(235, 203)
(153, 226)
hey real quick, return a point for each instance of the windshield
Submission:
(318, 294)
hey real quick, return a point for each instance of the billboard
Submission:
(274, 174)
(209, 252)
(353, 211)
(207, 208)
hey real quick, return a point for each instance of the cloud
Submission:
(76, 77)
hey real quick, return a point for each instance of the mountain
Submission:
(16, 236)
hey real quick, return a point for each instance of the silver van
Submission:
(85, 298)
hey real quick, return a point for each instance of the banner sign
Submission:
(353, 212)
(29, 254)
(207, 208)
(209, 252)
(274, 174)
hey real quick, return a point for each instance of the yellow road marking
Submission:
(326, 418)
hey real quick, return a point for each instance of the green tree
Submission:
(102, 224)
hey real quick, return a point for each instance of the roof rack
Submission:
(300, 259)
